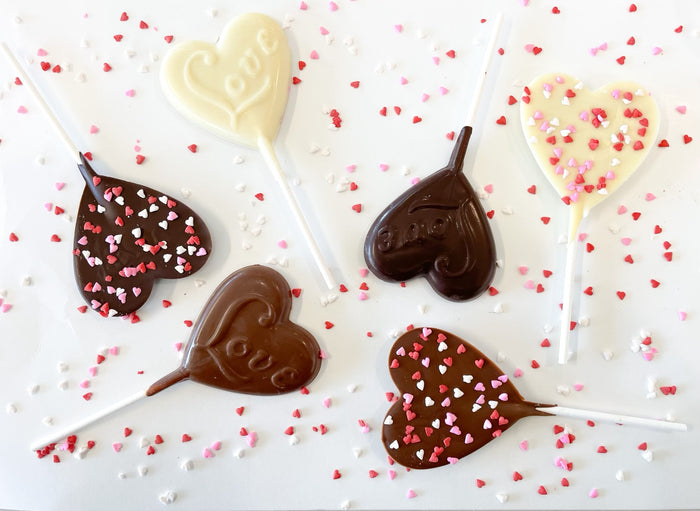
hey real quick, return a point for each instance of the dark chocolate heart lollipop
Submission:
(127, 236)
(454, 400)
(437, 229)
(243, 340)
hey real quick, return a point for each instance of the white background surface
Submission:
(44, 328)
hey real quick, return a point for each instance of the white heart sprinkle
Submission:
(389, 420)
(428, 401)
(420, 385)
(420, 453)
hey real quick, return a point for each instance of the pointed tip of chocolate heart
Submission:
(168, 380)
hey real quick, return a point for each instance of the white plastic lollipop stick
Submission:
(27, 82)
(273, 164)
(577, 413)
(77, 426)
(486, 62)
(567, 300)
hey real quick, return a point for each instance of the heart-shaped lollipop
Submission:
(454, 400)
(237, 87)
(437, 229)
(587, 143)
(243, 341)
(126, 237)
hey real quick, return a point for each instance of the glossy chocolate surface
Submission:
(243, 340)
(437, 229)
(452, 400)
(126, 237)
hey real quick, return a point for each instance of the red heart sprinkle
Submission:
(328, 325)
(545, 220)
(536, 50)
(13, 237)
(555, 10)
(451, 54)
(106, 67)
(143, 25)
(588, 291)
(493, 291)
(621, 60)
(158, 439)
(239, 410)
(355, 84)
(127, 432)
(118, 37)
(186, 437)
(45, 66)
(546, 273)
(602, 450)
(450, 135)
(501, 120)
(336, 474)
(545, 343)
(480, 483)
(687, 139)
(642, 446)
(636, 215)
(296, 80)
(655, 283)
(534, 364)
(168, 39)
(512, 100)
(397, 109)
(631, 41)
(590, 247)
(260, 196)
(382, 111)
(192, 148)
(541, 490)
(140, 159)
(678, 29)
(532, 189)
(663, 143)
(621, 295)
(632, 8)
(357, 208)
(296, 292)
(416, 119)
(302, 65)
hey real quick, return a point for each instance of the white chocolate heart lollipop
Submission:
(237, 88)
(587, 143)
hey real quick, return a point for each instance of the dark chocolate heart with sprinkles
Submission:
(126, 237)
(436, 229)
(454, 400)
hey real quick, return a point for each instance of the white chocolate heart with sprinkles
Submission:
(586, 142)
(236, 88)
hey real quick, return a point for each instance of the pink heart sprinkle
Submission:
(530, 284)
(610, 175)
(137, 148)
(621, 210)
(313, 54)
(41, 52)
(94, 129)
(584, 116)
(503, 396)
(93, 371)
(451, 460)
(479, 387)
(626, 241)
(398, 28)
(117, 446)
(518, 373)
(178, 346)
(327, 402)
(427, 332)
(426, 362)
(650, 197)
(455, 430)
(83, 241)
(450, 418)
(84, 384)
(408, 398)
(48, 206)
(392, 474)
(351, 168)
(114, 350)
(60, 185)
(252, 439)
(216, 445)
(468, 439)
(424, 97)
(682, 315)
(201, 252)
(332, 6)
(363, 272)
(383, 167)
(403, 80)
(22, 109)
(578, 387)
(616, 94)
(537, 115)
(503, 378)
(480, 400)
(282, 244)
(488, 188)
(681, 109)
(207, 453)
(523, 270)
(523, 445)
(559, 79)
(529, 48)
(302, 6)
(136, 291)
(656, 50)
(323, 30)
(130, 93)
(593, 51)
(362, 296)
(582, 236)
(443, 90)
(401, 352)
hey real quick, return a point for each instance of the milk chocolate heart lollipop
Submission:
(243, 341)
(126, 237)
(454, 400)
(436, 229)
(587, 143)
(237, 88)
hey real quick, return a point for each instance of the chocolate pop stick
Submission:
(455, 401)
(237, 88)
(243, 341)
(437, 228)
(587, 144)
(27, 82)
(126, 235)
